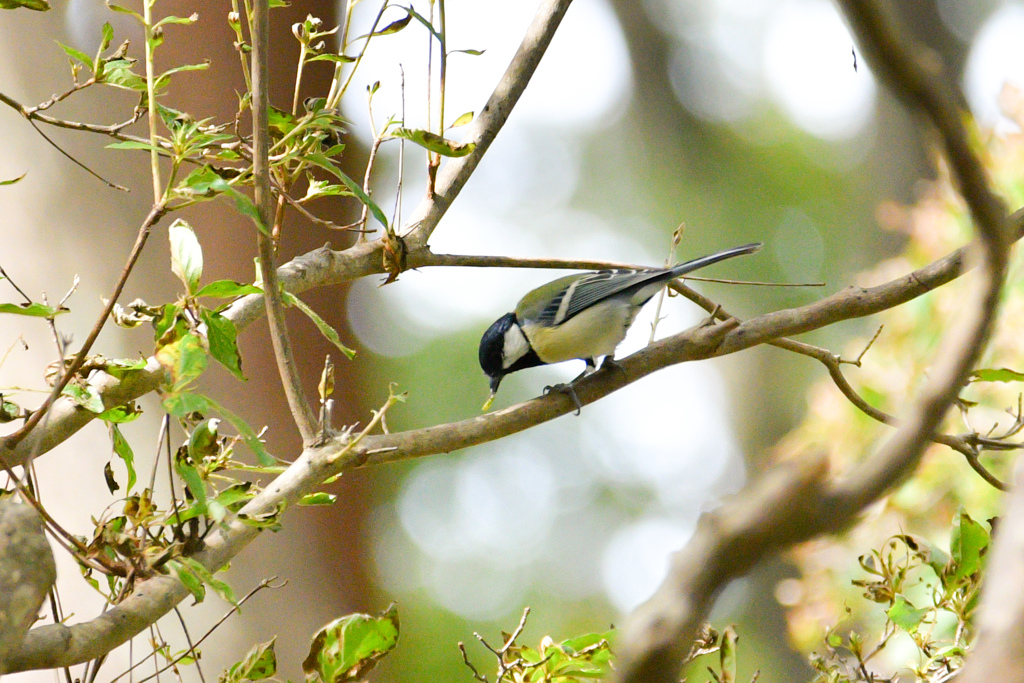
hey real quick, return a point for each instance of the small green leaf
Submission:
(329, 57)
(186, 254)
(193, 18)
(319, 498)
(9, 411)
(204, 440)
(323, 162)
(125, 10)
(236, 495)
(77, 55)
(219, 587)
(189, 579)
(997, 375)
(348, 648)
(434, 142)
(13, 180)
(86, 396)
(163, 79)
(329, 332)
(904, 615)
(124, 451)
(121, 414)
(184, 360)
(259, 663)
(967, 546)
(37, 5)
(185, 403)
(228, 289)
(134, 144)
(475, 53)
(222, 337)
(462, 120)
(190, 475)
(33, 309)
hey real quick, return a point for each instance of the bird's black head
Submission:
(504, 349)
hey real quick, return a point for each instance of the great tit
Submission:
(582, 316)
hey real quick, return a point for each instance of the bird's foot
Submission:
(566, 388)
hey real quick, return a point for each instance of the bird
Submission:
(583, 316)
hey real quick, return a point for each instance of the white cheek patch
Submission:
(516, 346)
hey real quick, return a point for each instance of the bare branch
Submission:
(302, 413)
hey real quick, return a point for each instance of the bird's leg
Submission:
(569, 388)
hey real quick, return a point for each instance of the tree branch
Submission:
(302, 413)
(772, 514)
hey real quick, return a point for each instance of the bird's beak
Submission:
(495, 381)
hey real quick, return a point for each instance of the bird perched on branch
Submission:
(582, 316)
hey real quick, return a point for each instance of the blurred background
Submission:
(741, 120)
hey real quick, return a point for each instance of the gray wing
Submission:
(593, 288)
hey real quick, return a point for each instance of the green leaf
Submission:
(33, 309)
(9, 411)
(236, 495)
(125, 10)
(320, 498)
(185, 403)
(190, 475)
(118, 72)
(329, 57)
(37, 5)
(904, 615)
(124, 451)
(186, 254)
(462, 120)
(76, 55)
(13, 180)
(222, 337)
(193, 18)
(326, 164)
(348, 648)
(134, 144)
(228, 289)
(434, 142)
(996, 375)
(259, 663)
(86, 396)
(121, 414)
(329, 332)
(219, 587)
(163, 79)
(189, 579)
(184, 360)
(204, 440)
(967, 546)
(475, 53)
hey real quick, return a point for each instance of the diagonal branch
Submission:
(793, 505)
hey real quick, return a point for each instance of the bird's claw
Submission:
(566, 389)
